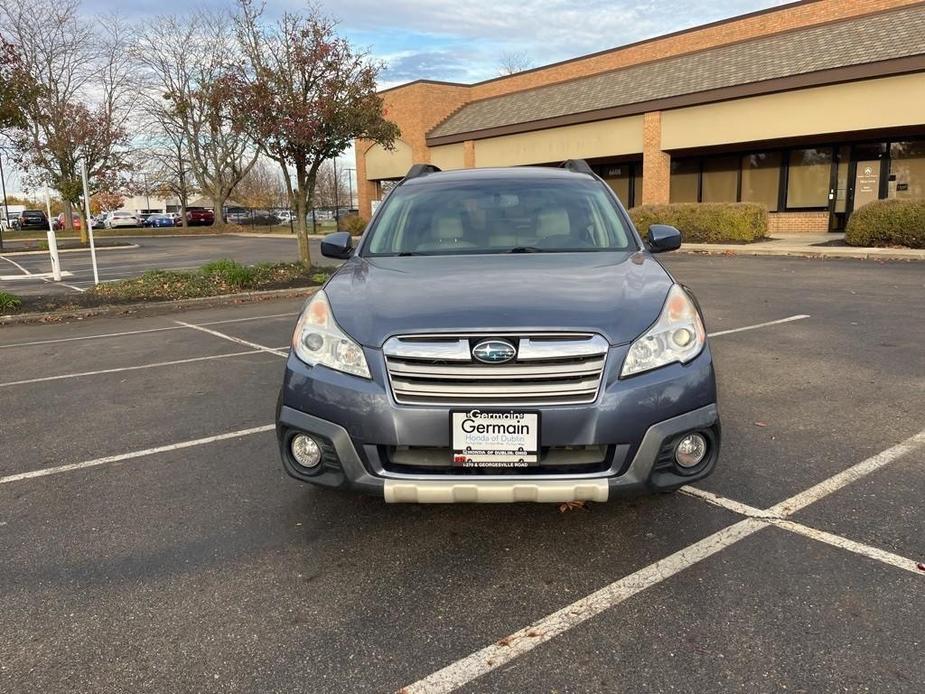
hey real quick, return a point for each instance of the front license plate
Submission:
(495, 439)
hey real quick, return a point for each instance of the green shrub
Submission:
(888, 223)
(9, 302)
(708, 222)
(352, 223)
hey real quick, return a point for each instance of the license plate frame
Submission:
(511, 446)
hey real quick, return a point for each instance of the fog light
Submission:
(690, 451)
(305, 450)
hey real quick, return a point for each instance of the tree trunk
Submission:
(219, 197)
(305, 254)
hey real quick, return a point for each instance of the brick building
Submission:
(813, 108)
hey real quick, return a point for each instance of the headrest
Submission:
(446, 226)
(553, 221)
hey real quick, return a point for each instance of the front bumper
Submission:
(639, 418)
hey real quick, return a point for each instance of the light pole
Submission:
(336, 199)
(350, 183)
(6, 208)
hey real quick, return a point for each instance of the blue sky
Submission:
(464, 40)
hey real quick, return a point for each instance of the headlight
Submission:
(319, 340)
(678, 335)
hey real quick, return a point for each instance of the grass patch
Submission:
(9, 302)
(212, 279)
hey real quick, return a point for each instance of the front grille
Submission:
(560, 369)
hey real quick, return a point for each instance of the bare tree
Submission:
(332, 190)
(79, 109)
(184, 61)
(262, 187)
(167, 167)
(512, 62)
(303, 94)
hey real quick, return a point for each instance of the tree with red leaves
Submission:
(303, 94)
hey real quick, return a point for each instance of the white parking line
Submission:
(507, 649)
(789, 319)
(855, 472)
(44, 472)
(45, 277)
(147, 330)
(231, 338)
(510, 647)
(138, 367)
(13, 262)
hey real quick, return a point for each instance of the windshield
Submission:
(554, 215)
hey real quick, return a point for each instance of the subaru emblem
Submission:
(494, 351)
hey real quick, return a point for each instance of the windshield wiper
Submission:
(405, 254)
(525, 249)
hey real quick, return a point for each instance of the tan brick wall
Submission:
(656, 164)
(798, 222)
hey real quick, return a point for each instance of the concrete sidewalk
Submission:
(803, 245)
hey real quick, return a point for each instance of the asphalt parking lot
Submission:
(26, 274)
(150, 540)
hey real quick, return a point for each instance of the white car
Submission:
(121, 219)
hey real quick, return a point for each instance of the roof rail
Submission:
(576, 166)
(419, 170)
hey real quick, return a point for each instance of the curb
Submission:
(860, 254)
(156, 307)
(127, 247)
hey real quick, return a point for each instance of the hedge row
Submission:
(708, 222)
(888, 223)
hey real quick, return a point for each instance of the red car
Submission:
(199, 217)
(59, 222)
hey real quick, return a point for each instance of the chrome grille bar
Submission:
(548, 369)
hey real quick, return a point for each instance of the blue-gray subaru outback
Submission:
(500, 335)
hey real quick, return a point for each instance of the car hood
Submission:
(616, 294)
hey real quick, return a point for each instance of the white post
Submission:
(83, 172)
(52, 241)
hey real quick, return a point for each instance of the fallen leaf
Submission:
(920, 566)
(506, 641)
(573, 506)
(761, 424)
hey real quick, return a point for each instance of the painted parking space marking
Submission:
(238, 340)
(45, 472)
(507, 649)
(503, 651)
(100, 336)
(780, 521)
(853, 473)
(137, 367)
(44, 276)
(789, 319)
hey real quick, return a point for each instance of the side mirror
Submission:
(337, 245)
(662, 237)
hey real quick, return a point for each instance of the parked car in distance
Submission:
(159, 220)
(177, 218)
(33, 219)
(59, 222)
(117, 220)
(237, 215)
(285, 217)
(199, 217)
(500, 335)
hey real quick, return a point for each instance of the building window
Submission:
(720, 181)
(618, 178)
(809, 178)
(685, 180)
(761, 178)
(907, 170)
